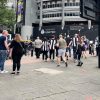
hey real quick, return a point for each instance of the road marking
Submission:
(49, 71)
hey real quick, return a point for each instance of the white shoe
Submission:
(4, 71)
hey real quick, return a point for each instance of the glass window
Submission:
(76, 14)
(65, 4)
(38, 8)
(71, 14)
(53, 5)
(67, 14)
(60, 14)
(70, 4)
(44, 6)
(48, 6)
(57, 14)
(52, 15)
(38, 17)
(77, 4)
(73, 4)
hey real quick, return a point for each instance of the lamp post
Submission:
(98, 6)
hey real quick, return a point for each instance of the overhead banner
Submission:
(20, 14)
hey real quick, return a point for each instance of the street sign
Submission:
(88, 9)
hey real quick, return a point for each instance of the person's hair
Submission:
(3, 32)
(45, 39)
(60, 36)
(18, 38)
(37, 37)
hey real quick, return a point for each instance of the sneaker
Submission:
(66, 64)
(58, 65)
(18, 73)
(78, 65)
(4, 71)
(12, 73)
(81, 64)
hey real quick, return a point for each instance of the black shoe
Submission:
(12, 73)
(58, 65)
(18, 73)
(78, 65)
(66, 64)
(81, 64)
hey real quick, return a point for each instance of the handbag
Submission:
(23, 50)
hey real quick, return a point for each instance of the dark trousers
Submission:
(79, 56)
(44, 55)
(69, 50)
(52, 53)
(37, 51)
(16, 62)
(74, 52)
(32, 53)
(57, 52)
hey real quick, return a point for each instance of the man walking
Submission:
(62, 50)
(52, 48)
(3, 50)
(74, 41)
(38, 45)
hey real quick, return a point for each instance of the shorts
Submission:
(61, 52)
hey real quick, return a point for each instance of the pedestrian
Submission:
(56, 47)
(45, 49)
(69, 44)
(74, 42)
(83, 48)
(32, 48)
(16, 53)
(79, 53)
(52, 48)
(3, 50)
(38, 45)
(91, 48)
(61, 51)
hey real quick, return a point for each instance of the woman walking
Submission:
(16, 52)
(79, 53)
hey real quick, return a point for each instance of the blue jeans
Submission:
(3, 56)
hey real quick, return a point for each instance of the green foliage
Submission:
(7, 15)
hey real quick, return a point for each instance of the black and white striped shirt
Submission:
(52, 44)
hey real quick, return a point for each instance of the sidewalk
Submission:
(44, 81)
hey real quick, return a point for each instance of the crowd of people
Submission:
(61, 48)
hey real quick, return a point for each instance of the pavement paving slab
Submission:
(41, 80)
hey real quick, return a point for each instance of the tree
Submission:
(7, 15)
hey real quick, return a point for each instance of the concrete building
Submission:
(48, 16)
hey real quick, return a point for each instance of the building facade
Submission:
(46, 17)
